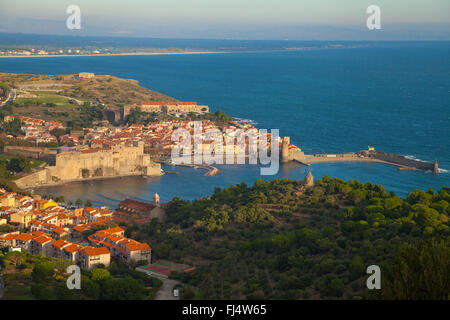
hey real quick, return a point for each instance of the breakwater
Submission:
(401, 162)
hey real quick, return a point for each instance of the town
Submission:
(87, 236)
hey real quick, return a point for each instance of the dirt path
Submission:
(11, 97)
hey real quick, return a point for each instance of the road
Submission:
(166, 291)
(12, 96)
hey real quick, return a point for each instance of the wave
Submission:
(416, 159)
(249, 121)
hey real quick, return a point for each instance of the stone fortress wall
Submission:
(88, 164)
(166, 107)
(292, 153)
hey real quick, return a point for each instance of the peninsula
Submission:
(89, 127)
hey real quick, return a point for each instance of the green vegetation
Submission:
(277, 240)
(221, 116)
(11, 167)
(12, 128)
(88, 114)
(419, 271)
(4, 90)
(43, 98)
(30, 276)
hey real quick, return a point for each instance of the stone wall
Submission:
(39, 153)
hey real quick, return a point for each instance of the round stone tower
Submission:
(436, 167)
(156, 199)
(285, 149)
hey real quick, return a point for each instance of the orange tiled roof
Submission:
(43, 239)
(25, 237)
(91, 251)
(73, 248)
(114, 230)
(38, 233)
(137, 246)
(9, 236)
(60, 243)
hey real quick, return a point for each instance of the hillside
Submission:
(62, 97)
(105, 89)
(277, 240)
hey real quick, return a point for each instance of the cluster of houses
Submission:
(156, 136)
(37, 130)
(44, 227)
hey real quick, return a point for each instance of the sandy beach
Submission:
(112, 54)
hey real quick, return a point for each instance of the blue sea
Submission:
(394, 96)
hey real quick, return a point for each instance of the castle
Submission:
(166, 107)
(89, 163)
(290, 152)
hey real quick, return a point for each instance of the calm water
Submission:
(394, 96)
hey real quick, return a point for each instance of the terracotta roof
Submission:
(114, 230)
(73, 248)
(9, 236)
(136, 205)
(38, 233)
(91, 251)
(43, 239)
(137, 246)
(25, 237)
(60, 243)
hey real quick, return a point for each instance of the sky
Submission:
(233, 19)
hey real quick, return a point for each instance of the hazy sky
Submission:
(233, 19)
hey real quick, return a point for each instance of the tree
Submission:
(356, 267)
(122, 289)
(64, 293)
(335, 288)
(90, 288)
(42, 271)
(41, 292)
(78, 203)
(419, 272)
(88, 203)
(15, 258)
(187, 294)
(19, 165)
(99, 274)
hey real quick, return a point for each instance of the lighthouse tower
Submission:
(156, 199)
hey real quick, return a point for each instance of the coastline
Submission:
(115, 54)
(157, 53)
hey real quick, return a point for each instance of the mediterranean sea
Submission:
(393, 95)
